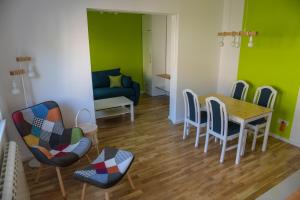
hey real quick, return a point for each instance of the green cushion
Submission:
(115, 81)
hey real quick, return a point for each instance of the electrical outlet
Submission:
(282, 125)
(282, 121)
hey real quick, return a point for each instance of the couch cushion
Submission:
(115, 81)
(126, 81)
(100, 78)
(107, 169)
(102, 93)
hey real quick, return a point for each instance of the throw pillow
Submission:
(115, 81)
(126, 81)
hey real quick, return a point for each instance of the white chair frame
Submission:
(245, 90)
(187, 122)
(224, 128)
(271, 102)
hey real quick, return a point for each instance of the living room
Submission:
(168, 149)
(130, 58)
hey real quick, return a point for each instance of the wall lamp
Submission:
(236, 38)
(27, 69)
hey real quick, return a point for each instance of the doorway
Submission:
(157, 72)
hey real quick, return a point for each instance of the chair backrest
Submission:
(217, 118)
(239, 90)
(36, 124)
(265, 96)
(191, 106)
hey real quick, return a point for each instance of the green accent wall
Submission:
(275, 58)
(116, 41)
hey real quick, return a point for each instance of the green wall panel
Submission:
(116, 41)
(275, 58)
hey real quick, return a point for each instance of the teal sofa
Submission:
(102, 90)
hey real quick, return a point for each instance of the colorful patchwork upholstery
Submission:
(108, 169)
(41, 127)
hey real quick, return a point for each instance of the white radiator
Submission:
(13, 185)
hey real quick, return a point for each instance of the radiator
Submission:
(13, 184)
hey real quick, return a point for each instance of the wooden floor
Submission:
(166, 167)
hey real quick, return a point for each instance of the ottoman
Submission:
(106, 170)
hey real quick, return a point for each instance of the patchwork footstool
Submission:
(106, 170)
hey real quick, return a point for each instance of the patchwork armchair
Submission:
(42, 129)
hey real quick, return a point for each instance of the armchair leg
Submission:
(88, 158)
(37, 178)
(130, 181)
(106, 196)
(61, 184)
(83, 191)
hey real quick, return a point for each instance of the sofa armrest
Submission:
(136, 88)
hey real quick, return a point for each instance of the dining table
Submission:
(243, 112)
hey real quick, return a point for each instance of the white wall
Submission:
(55, 34)
(229, 59)
(295, 133)
(147, 53)
(154, 53)
(197, 50)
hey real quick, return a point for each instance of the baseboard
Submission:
(177, 122)
(294, 143)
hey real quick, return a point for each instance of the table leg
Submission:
(240, 144)
(244, 142)
(267, 129)
(132, 112)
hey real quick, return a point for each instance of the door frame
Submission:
(172, 52)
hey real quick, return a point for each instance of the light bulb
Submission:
(250, 43)
(233, 41)
(31, 72)
(238, 42)
(15, 90)
(221, 41)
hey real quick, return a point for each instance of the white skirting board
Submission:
(297, 144)
(294, 143)
(283, 189)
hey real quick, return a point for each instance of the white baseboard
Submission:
(294, 143)
(289, 141)
(177, 122)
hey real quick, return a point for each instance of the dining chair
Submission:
(239, 90)
(193, 116)
(264, 96)
(219, 126)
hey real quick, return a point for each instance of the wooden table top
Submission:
(241, 109)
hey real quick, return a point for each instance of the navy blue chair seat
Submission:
(193, 115)
(233, 128)
(219, 126)
(203, 117)
(265, 96)
(239, 90)
(258, 122)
